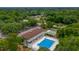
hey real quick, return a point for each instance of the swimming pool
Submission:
(47, 43)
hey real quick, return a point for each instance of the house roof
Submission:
(31, 32)
(51, 32)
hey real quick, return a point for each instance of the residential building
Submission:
(36, 35)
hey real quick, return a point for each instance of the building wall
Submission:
(29, 41)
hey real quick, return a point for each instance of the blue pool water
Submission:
(47, 43)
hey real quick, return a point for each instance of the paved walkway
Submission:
(1, 36)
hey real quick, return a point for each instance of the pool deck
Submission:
(35, 46)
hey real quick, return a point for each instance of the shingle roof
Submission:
(31, 32)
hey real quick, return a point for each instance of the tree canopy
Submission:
(15, 20)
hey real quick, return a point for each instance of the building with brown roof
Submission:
(32, 34)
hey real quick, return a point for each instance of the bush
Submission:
(43, 49)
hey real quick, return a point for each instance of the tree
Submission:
(10, 43)
(59, 19)
(69, 30)
(70, 43)
(49, 24)
(3, 45)
(11, 27)
(13, 41)
(50, 18)
(69, 20)
(69, 38)
(32, 22)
